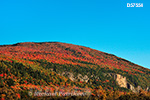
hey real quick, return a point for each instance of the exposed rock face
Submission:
(138, 89)
(69, 75)
(122, 82)
(83, 79)
(73, 78)
(148, 89)
(131, 87)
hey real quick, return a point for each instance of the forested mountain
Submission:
(26, 67)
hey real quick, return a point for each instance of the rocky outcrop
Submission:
(83, 78)
(122, 82)
(78, 77)
(147, 89)
(131, 87)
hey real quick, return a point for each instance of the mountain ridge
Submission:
(33, 43)
(40, 43)
(60, 65)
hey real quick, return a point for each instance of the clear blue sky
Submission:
(105, 25)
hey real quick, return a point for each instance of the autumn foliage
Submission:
(37, 66)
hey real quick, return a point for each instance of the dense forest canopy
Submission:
(66, 67)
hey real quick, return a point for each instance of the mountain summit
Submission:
(26, 65)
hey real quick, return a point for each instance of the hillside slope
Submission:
(29, 65)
